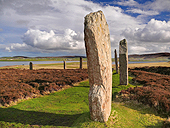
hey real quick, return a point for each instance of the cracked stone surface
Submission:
(98, 50)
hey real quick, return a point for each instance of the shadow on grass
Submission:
(114, 73)
(13, 115)
(144, 109)
(114, 95)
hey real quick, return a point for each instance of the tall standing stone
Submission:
(98, 50)
(123, 62)
(81, 63)
(116, 62)
(31, 66)
(64, 64)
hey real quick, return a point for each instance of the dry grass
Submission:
(164, 64)
(75, 65)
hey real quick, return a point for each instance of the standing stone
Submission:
(31, 66)
(98, 50)
(116, 63)
(64, 64)
(81, 63)
(123, 62)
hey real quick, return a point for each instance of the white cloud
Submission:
(137, 49)
(57, 25)
(143, 12)
(143, 47)
(50, 41)
(55, 19)
(147, 8)
(17, 46)
(154, 31)
(127, 3)
(154, 37)
(8, 49)
(160, 5)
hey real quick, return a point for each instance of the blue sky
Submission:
(55, 27)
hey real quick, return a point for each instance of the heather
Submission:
(18, 84)
(155, 91)
(159, 69)
(69, 108)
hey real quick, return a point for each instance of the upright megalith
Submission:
(116, 62)
(64, 64)
(31, 66)
(123, 62)
(98, 50)
(81, 62)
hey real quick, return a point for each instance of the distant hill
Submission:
(20, 57)
(50, 57)
(63, 57)
(134, 56)
(152, 55)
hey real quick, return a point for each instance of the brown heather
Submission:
(18, 84)
(155, 91)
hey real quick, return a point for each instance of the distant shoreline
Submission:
(77, 59)
(164, 56)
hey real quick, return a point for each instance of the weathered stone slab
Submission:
(98, 50)
(123, 62)
(116, 62)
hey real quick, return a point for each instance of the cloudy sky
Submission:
(55, 27)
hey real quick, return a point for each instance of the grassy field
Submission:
(163, 64)
(74, 59)
(69, 108)
(69, 65)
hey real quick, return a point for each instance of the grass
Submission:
(163, 64)
(69, 65)
(135, 115)
(69, 108)
(116, 87)
(74, 59)
(74, 65)
(57, 109)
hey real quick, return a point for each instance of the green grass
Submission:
(116, 87)
(57, 109)
(136, 115)
(69, 108)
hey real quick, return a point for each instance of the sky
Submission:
(56, 27)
